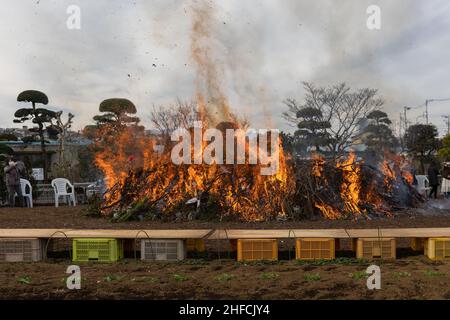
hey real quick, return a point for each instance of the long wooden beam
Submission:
(228, 234)
(120, 234)
(278, 234)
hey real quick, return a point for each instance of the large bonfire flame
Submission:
(142, 178)
(363, 189)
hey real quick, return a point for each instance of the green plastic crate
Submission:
(100, 250)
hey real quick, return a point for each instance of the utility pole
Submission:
(405, 118)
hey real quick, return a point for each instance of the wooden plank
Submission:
(278, 234)
(32, 233)
(140, 234)
(120, 234)
(331, 233)
(228, 234)
(399, 233)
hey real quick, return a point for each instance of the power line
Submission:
(432, 100)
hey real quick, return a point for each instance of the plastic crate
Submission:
(21, 250)
(417, 244)
(315, 248)
(100, 250)
(197, 245)
(376, 248)
(257, 249)
(437, 248)
(163, 250)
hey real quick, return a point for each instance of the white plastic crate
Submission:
(163, 250)
(21, 250)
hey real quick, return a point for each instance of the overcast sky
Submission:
(141, 50)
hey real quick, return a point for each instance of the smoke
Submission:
(206, 54)
(243, 57)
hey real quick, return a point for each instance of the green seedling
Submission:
(432, 273)
(25, 280)
(145, 279)
(358, 275)
(179, 277)
(225, 277)
(402, 274)
(339, 261)
(113, 277)
(269, 276)
(312, 277)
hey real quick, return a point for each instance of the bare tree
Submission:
(181, 114)
(342, 108)
(63, 127)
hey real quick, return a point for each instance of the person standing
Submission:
(445, 188)
(433, 173)
(12, 180)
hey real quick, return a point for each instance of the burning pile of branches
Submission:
(143, 181)
(348, 188)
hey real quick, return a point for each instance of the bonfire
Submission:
(143, 182)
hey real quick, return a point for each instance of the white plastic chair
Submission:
(60, 187)
(29, 196)
(423, 184)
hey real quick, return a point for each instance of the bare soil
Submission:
(411, 276)
(408, 278)
(433, 214)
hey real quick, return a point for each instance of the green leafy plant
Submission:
(358, 275)
(402, 274)
(432, 273)
(25, 280)
(339, 261)
(225, 277)
(145, 279)
(180, 278)
(312, 277)
(113, 277)
(269, 276)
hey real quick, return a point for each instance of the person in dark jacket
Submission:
(433, 178)
(12, 180)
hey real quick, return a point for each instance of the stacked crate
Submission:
(376, 248)
(21, 250)
(163, 250)
(315, 248)
(97, 249)
(257, 249)
(437, 248)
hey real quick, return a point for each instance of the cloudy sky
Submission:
(141, 50)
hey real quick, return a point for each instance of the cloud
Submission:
(141, 50)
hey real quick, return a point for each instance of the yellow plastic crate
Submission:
(97, 249)
(315, 248)
(197, 245)
(376, 248)
(417, 244)
(257, 249)
(437, 248)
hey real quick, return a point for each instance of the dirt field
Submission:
(433, 214)
(411, 276)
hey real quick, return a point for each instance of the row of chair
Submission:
(62, 188)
